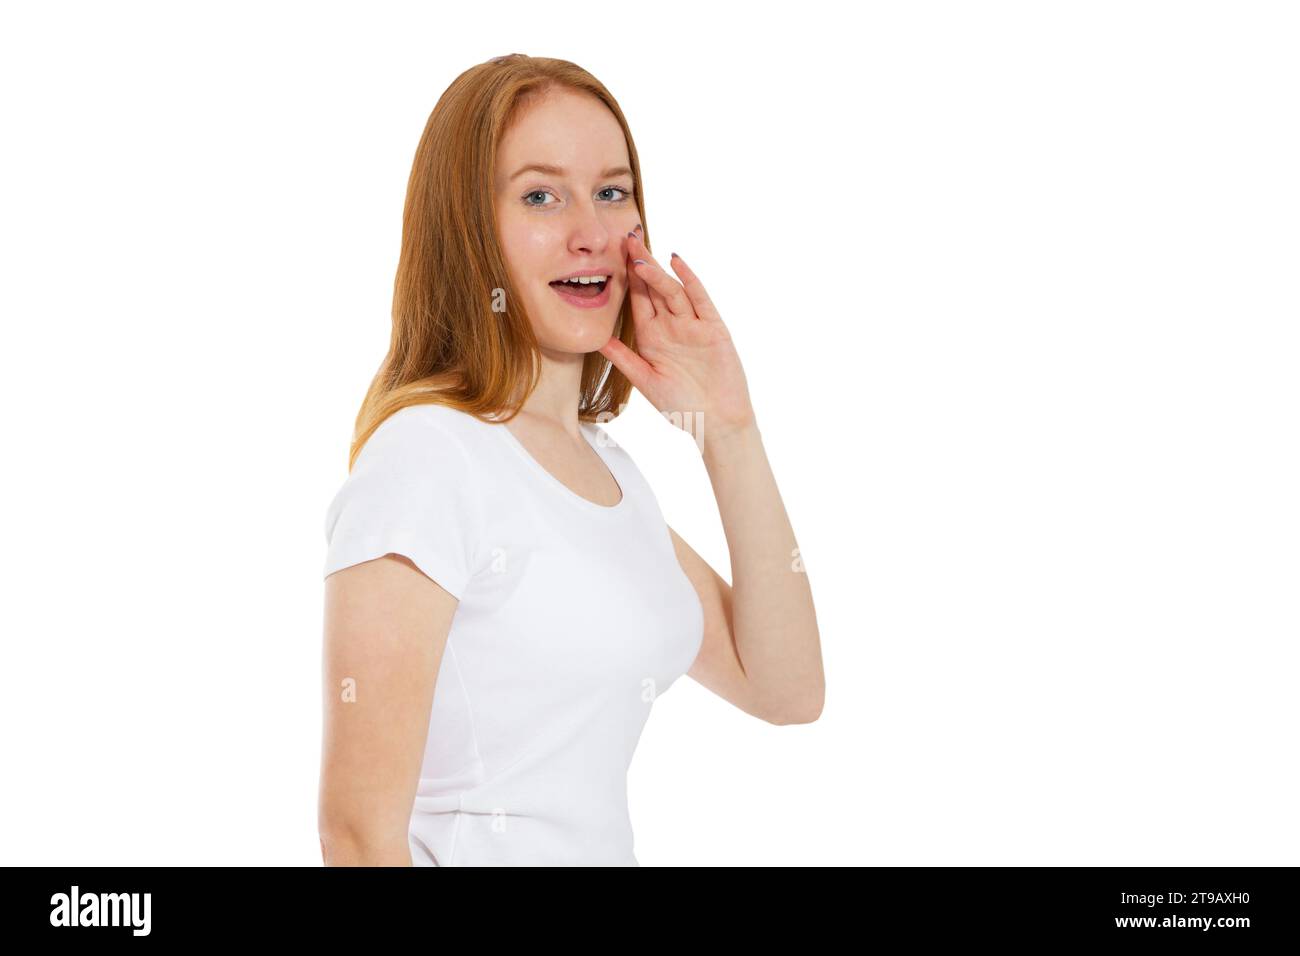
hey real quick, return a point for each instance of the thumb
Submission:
(637, 369)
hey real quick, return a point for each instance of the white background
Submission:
(1015, 286)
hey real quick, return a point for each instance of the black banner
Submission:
(1225, 906)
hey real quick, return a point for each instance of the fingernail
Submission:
(638, 228)
(632, 234)
(674, 256)
(639, 262)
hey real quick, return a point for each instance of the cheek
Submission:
(530, 248)
(539, 238)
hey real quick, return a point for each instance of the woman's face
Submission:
(570, 218)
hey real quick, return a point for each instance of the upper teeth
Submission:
(585, 280)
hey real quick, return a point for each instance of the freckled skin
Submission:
(551, 225)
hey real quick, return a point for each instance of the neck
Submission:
(555, 399)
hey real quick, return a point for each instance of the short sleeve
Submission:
(411, 491)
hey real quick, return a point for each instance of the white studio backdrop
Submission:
(1015, 286)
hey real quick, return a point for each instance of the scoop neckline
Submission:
(587, 429)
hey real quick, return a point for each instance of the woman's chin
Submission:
(579, 336)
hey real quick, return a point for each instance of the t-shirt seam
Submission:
(479, 774)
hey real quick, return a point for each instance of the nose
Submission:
(593, 229)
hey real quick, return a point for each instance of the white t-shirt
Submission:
(573, 617)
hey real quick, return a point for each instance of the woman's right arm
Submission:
(386, 626)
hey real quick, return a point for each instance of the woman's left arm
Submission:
(762, 647)
(773, 622)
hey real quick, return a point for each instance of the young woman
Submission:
(503, 599)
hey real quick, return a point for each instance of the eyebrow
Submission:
(559, 171)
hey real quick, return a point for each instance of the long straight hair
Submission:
(448, 345)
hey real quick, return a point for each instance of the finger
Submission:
(668, 288)
(694, 288)
(643, 306)
(639, 250)
(637, 369)
(660, 305)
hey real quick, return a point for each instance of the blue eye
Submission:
(627, 196)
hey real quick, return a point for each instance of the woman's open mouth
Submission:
(589, 292)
